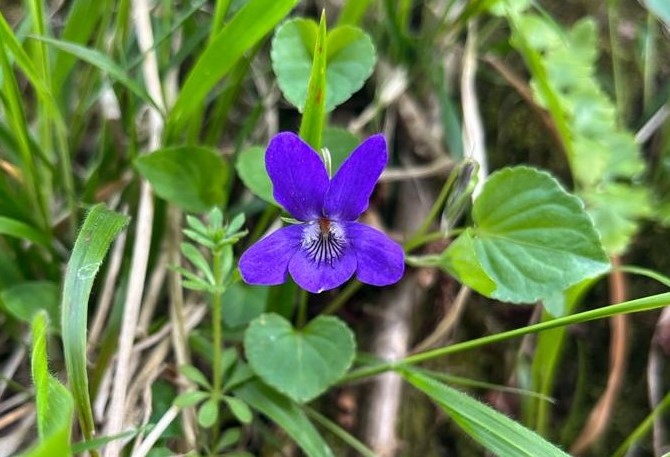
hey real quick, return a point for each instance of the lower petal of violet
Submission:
(381, 261)
(266, 262)
(316, 276)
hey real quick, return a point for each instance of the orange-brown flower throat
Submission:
(324, 225)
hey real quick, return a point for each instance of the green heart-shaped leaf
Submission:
(192, 177)
(26, 299)
(250, 166)
(659, 8)
(341, 143)
(531, 238)
(350, 60)
(300, 363)
(242, 303)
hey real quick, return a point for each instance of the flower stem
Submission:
(266, 219)
(217, 376)
(417, 242)
(416, 239)
(408, 246)
(302, 308)
(342, 298)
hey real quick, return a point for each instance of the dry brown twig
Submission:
(12, 364)
(11, 442)
(526, 93)
(601, 413)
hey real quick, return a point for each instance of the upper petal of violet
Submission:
(381, 261)
(350, 189)
(265, 263)
(298, 176)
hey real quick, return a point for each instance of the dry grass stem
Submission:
(11, 365)
(438, 167)
(152, 294)
(156, 432)
(473, 129)
(653, 124)
(10, 443)
(140, 257)
(447, 323)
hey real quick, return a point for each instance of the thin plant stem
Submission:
(342, 297)
(632, 306)
(415, 240)
(643, 428)
(410, 245)
(217, 339)
(339, 432)
(302, 308)
(268, 215)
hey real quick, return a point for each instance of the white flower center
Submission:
(323, 240)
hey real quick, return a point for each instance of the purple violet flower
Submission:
(328, 246)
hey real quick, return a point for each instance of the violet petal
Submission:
(298, 175)
(317, 277)
(266, 262)
(352, 185)
(381, 261)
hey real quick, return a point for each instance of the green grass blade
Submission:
(251, 23)
(643, 428)
(97, 443)
(493, 430)
(103, 63)
(54, 402)
(16, 119)
(50, 108)
(18, 229)
(341, 433)
(352, 12)
(287, 415)
(548, 355)
(220, 11)
(22, 59)
(100, 228)
(25, 63)
(314, 117)
(81, 22)
(40, 28)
